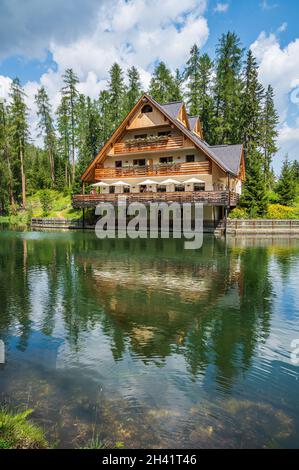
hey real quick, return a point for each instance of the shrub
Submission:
(277, 211)
(238, 213)
(46, 201)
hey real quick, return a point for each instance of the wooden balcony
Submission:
(215, 198)
(154, 170)
(167, 143)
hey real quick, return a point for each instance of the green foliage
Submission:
(286, 186)
(277, 211)
(238, 213)
(163, 86)
(255, 196)
(16, 432)
(46, 202)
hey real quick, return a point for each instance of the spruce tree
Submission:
(227, 90)
(64, 140)
(286, 186)
(251, 109)
(269, 130)
(296, 170)
(254, 196)
(70, 93)
(7, 179)
(199, 94)
(104, 114)
(46, 127)
(134, 88)
(18, 115)
(116, 90)
(162, 86)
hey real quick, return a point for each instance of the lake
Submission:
(143, 343)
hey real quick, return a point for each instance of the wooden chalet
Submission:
(158, 153)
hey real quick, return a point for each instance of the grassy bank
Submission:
(17, 432)
(40, 204)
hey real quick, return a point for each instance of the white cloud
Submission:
(279, 66)
(282, 27)
(221, 7)
(5, 83)
(265, 5)
(134, 32)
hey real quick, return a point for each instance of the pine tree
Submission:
(251, 109)
(199, 73)
(254, 196)
(162, 86)
(116, 90)
(18, 113)
(64, 141)
(70, 93)
(104, 113)
(7, 180)
(134, 88)
(46, 127)
(296, 170)
(269, 130)
(227, 90)
(286, 186)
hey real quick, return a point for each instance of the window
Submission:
(161, 189)
(179, 187)
(118, 164)
(166, 159)
(190, 158)
(147, 109)
(126, 189)
(166, 133)
(111, 189)
(140, 136)
(199, 186)
(139, 162)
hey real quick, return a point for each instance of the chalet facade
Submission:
(158, 153)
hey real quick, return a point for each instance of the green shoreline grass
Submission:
(17, 432)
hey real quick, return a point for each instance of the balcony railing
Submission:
(217, 198)
(154, 170)
(167, 143)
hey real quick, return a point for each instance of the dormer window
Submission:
(147, 109)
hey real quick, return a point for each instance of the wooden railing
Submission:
(154, 170)
(169, 143)
(217, 198)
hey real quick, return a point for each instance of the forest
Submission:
(224, 91)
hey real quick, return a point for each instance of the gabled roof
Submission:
(227, 157)
(172, 109)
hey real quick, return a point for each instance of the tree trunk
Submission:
(23, 178)
(51, 159)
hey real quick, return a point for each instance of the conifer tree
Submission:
(251, 109)
(254, 196)
(269, 130)
(104, 114)
(6, 180)
(286, 186)
(228, 87)
(64, 141)
(70, 94)
(116, 90)
(134, 88)
(46, 127)
(296, 170)
(18, 114)
(162, 86)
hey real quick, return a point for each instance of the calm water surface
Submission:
(145, 343)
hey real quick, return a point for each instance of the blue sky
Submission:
(38, 40)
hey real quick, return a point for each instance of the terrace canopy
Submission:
(101, 184)
(193, 181)
(119, 183)
(169, 181)
(147, 182)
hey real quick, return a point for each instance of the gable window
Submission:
(166, 159)
(147, 109)
(118, 164)
(190, 158)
